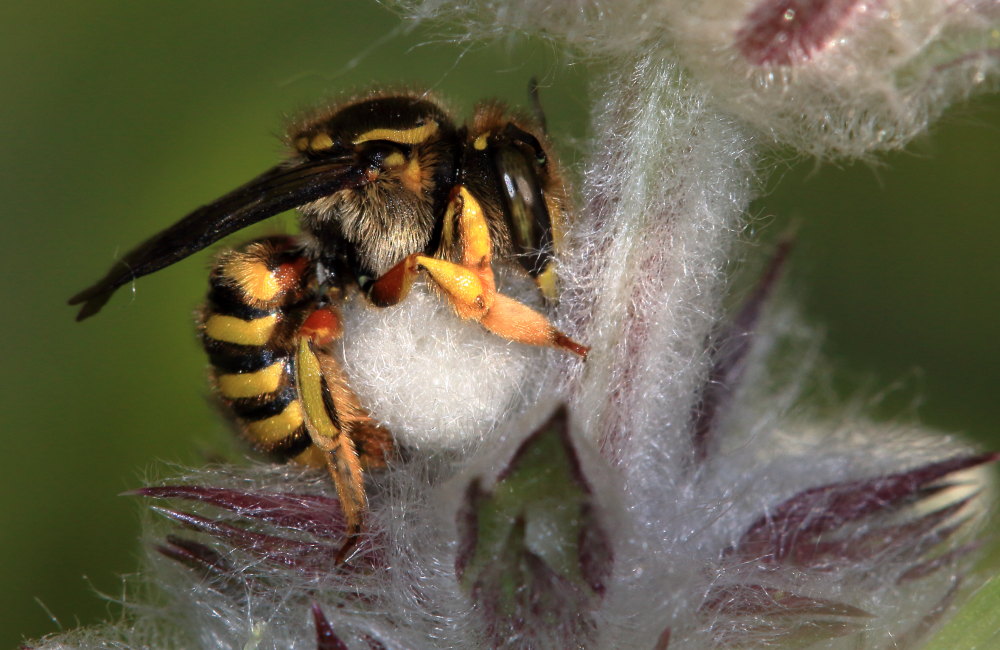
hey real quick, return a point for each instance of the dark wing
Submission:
(276, 190)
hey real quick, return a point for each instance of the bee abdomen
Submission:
(234, 358)
(265, 406)
(256, 299)
(229, 300)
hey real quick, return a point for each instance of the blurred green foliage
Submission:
(119, 117)
(975, 625)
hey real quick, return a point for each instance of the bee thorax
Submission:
(381, 226)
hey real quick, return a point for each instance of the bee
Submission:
(388, 189)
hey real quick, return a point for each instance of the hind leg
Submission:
(339, 427)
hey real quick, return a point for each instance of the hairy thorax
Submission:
(381, 224)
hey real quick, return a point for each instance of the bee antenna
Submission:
(536, 104)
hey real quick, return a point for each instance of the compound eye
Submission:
(520, 187)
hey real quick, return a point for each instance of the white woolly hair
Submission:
(413, 600)
(678, 123)
(839, 79)
(436, 382)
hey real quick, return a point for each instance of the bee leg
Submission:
(394, 284)
(374, 443)
(470, 286)
(332, 414)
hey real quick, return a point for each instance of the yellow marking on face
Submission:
(394, 159)
(473, 231)
(479, 144)
(413, 177)
(252, 384)
(254, 278)
(302, 143)
(229, 329)
(278, 427)
(321, 142)
(416, 135)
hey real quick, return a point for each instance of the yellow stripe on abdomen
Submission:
(252, 384)
(312, 457)
(275, 429)
(253, 277)
(229, 329)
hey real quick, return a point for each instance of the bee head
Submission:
(404, 151)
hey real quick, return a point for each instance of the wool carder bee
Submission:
(389, 188)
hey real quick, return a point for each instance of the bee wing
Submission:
(276, 190)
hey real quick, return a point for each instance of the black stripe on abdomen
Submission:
(291, 445)
(262, 407)
(228, 358)
(227, 300)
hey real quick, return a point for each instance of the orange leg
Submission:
(470, 287)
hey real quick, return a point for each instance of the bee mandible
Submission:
(388, 188)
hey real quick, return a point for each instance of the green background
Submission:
(119, 117)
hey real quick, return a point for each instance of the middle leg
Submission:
(470, 286)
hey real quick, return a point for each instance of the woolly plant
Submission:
(666, 492)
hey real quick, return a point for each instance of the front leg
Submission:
(470, 286)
